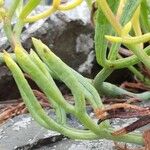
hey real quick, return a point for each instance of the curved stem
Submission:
(69, 6)
(109, 15)
(31, 4)
(40, 16)
(129, 40)
(125, 62)
(101, 76)
(114, 91)
(55, 6)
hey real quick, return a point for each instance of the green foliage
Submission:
(113, 23)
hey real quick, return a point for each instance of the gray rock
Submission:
(84, 43)
(23, 133)
(69, 34)
(87, 66)
(67, 144)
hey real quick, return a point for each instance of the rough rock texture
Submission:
(23, 133)
(69, 34)
(67, 144)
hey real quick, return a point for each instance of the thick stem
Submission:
(109, 15)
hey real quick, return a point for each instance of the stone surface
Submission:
(67, 144)
(23, 133)
(69, 34)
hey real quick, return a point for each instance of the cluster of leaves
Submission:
(124, 22)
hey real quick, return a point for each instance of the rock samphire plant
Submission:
(117, 23)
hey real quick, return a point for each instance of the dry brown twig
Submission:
(135, 86)
(129, 111)
(20, 108)
(100, 113)
(146, 136)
